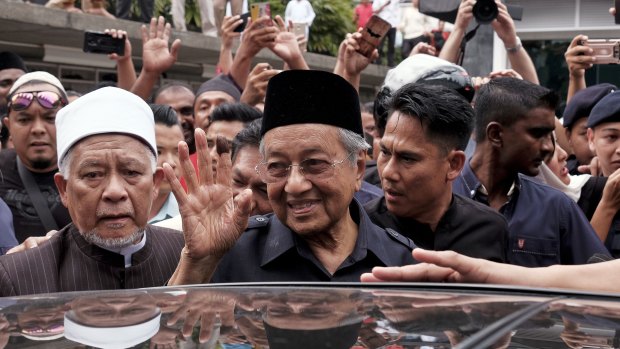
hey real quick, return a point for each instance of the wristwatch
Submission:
(517, 46)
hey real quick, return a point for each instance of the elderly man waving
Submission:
(313, 162)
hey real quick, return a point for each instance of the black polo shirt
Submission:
(468, 227)
(270, 251)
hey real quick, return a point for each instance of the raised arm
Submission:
(212, 221)
(125, 71)
(228, 35)
(156, 56)
(353, 62)
(287, 47)
(519, 59)
(579, 57)
(452, 48)
(255, 37)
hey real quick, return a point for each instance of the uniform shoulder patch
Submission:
(396, 236)
(259, 221)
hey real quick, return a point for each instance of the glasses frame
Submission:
(301, 169)
(35, 96)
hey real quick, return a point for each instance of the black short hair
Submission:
(380, 109)
(446, 117)
(248, 137)
(165, 115)
(506, 100)
(235, 112)
(175, 86)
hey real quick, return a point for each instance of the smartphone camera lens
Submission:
(485, 11)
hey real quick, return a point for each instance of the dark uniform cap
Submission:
(580, 106)
(222, 83)
(311, 97)
(9, 60)
(606, 110)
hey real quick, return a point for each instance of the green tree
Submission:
(333, 21)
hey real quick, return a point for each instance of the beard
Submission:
(41, 164)
(94, 238)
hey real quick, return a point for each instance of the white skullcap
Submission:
(111, 337)
(39, 76)
(106, 110)
(411, 69)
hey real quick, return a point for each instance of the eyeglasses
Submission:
(46, 99)
(274, 172)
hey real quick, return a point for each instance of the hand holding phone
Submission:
(606, 51)
(241, 27)
(97, 42)
(372, 34)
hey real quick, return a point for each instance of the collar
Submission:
(474, 186)
(128, 251)
(168, 210)
(112, 258)
(281, 239)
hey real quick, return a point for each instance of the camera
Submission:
(485, 11)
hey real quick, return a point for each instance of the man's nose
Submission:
(115, 189)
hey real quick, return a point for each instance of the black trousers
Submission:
(123, 8)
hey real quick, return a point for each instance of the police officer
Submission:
(313, 162)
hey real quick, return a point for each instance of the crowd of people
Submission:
(266, 174)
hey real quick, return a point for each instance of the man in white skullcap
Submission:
(107, 180)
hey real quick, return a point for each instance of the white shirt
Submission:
(414, 23)
(391, 13)
(299, 11)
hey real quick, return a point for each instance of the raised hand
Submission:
(579, 57)
(256, 86)
(504, 26)
(117, 33)
(228, 30)
(355, 62)
(212, 221)
(156, 56)
(286, 46)
(422, 47)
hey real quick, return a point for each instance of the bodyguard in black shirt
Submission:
(421, 153)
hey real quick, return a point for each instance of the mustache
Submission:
(111, 213)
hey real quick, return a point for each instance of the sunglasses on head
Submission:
(46, 99)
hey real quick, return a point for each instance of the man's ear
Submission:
(61, 184)
(5, 122)
(591, 141)
(456, 160)
(361, 168)
(158, 176)
(495, 134)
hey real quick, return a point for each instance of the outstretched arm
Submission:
(579, 57)
(125, 71)
(212, 221)
(449, 266)
(452, 48)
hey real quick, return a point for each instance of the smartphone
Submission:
(372, 34)
(97, 42)
(241, 27)
(260, 9)
(617, 7)
(606, 51)
(300, 29)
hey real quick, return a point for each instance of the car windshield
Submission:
(311, 316)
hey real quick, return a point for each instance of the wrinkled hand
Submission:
(504, 26)
(285, 45)
(165, 338)
(435, 266)
(115, 33)
(206, 306)
(258, 35)
(422, 47)
(355, 62)
(212, 221)
(505, 73)
(256, 86)
(32, 242)
(465, 14)
(579, 57)
(228, 30)
(611, 192)
(156, 56)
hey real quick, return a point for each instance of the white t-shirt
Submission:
(391, 13)
(299, 11)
